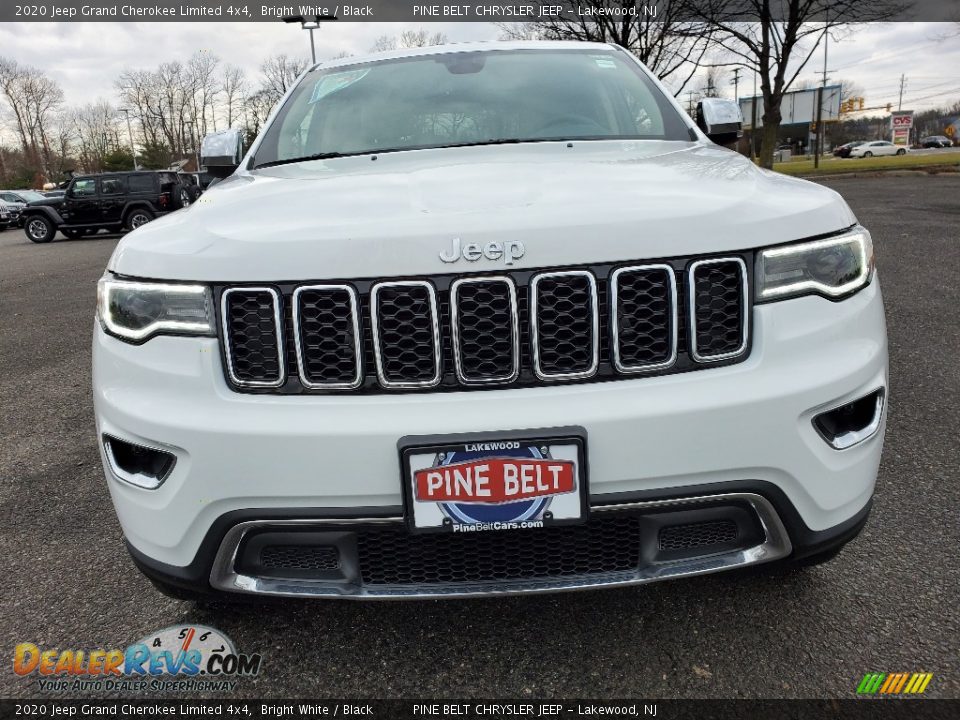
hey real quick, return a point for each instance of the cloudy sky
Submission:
(85, 58)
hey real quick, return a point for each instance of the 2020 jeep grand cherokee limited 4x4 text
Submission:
(513, 323)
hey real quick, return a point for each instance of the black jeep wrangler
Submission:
(111, 201)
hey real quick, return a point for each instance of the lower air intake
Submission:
(697, 535)
(299, 557)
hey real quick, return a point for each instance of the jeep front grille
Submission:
(518, 329)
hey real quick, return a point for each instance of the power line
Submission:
(882, 56)
(923, 97)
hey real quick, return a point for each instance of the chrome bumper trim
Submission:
(223, 575)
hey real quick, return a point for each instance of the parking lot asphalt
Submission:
(889, 603)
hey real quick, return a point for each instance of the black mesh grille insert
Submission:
(252, 331)
(328, 335)
(485, 327)
(718, 303)
(645, 316)
(299, 557)
(391, 556)
(565, 307)
(701, 534)
(405, 316)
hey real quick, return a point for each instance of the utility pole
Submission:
(690, 103)
(133, 150)
(753, 120)
(903, 80)
(818, 145)
(735, 82)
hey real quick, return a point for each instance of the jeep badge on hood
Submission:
(471, 252)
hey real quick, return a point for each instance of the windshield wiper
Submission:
(491, 141)
(308, 158)
(378, 151)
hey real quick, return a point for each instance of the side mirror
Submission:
(720, 120)
(221, 152)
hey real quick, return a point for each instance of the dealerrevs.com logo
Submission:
(178, 658)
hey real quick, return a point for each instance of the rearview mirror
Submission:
(720, 120)
(221, 152)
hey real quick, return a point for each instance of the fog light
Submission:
(852, 423)
(145, 467)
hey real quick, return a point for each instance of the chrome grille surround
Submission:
(456, 330)
(357, 337)
(535, 326)
(278, 333)
(375, 322)
(615, 318)
(744, 309)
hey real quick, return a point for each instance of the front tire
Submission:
(901, 151)
(39, 229)
(137, 218)
(868, 154)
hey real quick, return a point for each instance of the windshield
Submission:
(30, 195)
(470, 98)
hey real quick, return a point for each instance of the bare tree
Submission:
(165, 103)
(94, 130)
(777, 38)
(203, 87)
(524, 31)
(256, 109)
(383, 44)
(278, 74)
(11, 83)
(669, 43)
(35, 102)
(233, 86)
(849, 89)
(408, 39)
(421, 38)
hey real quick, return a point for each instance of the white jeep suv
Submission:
(488, 318)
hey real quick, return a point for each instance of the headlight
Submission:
(136, 311)
(832, 267)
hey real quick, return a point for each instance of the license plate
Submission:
(501, 481)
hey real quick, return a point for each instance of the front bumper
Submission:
(248, 457)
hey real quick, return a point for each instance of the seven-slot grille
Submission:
(518, 329)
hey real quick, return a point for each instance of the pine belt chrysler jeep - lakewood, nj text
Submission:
(488, 318)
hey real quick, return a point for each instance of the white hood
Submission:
(392, 214)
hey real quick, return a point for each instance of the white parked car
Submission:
(877, 147)
(512, 323)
